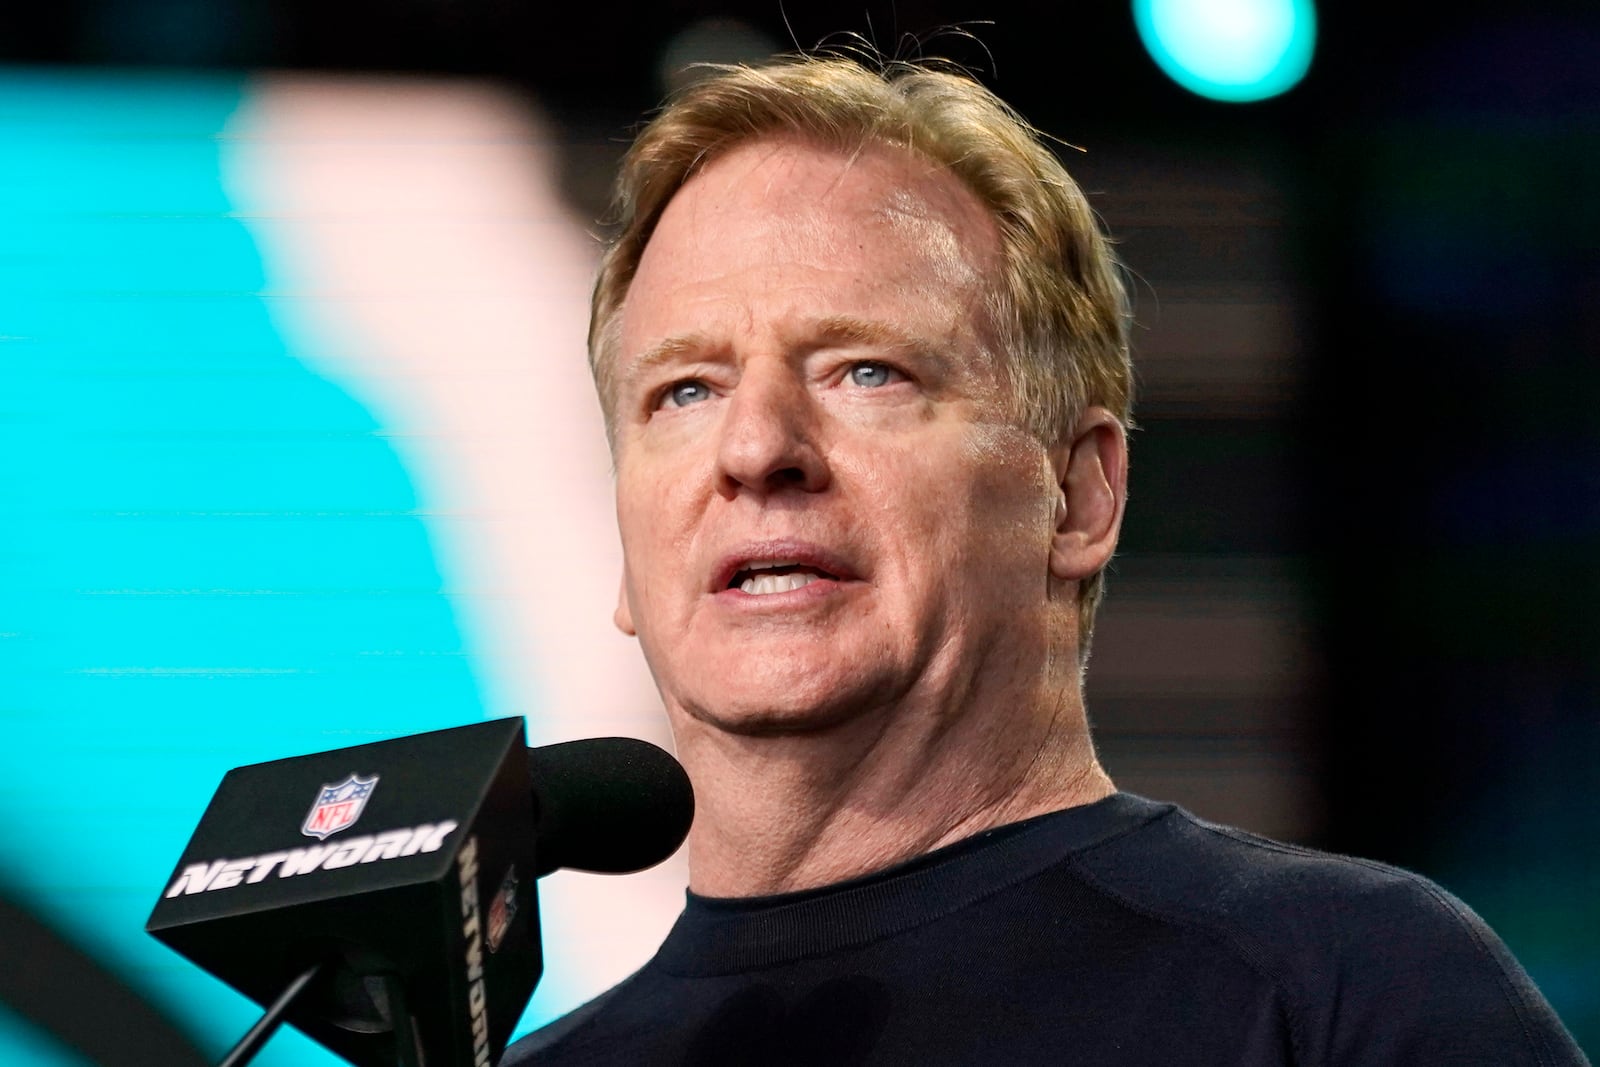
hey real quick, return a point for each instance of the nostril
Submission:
(763, 456)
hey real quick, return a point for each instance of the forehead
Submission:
(870, 233)
(785, 178)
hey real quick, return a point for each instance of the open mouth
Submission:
(778, 576)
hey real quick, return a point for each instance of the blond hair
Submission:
(1059, 312)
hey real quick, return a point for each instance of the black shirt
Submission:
(1120, 932)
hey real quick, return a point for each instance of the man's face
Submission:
(824, 505)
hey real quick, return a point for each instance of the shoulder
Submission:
(534, 1049)
(1376, 963)
(1198, 873)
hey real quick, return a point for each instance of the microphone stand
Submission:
(408, 1052)
(267, 1025)
(408, 1049)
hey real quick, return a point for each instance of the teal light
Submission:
(209, 554)
(1232, 50)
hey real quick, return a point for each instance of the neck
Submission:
(781, 813)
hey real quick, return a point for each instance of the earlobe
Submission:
(622, 618)
(1092, 476)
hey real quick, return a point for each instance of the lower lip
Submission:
(808, 593)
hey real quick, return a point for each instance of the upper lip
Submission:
(797, 553)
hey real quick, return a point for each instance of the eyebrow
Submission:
(667, 350)
(810, 335)
(845, 329)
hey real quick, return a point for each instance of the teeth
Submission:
(762, 584)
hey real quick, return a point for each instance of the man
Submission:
(863, 358)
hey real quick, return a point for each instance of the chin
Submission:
(773, 722)
(803, 706)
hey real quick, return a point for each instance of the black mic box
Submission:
(407, 866)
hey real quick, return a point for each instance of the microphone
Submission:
(610, 805)
(387, 891)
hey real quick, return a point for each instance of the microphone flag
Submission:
(406, 866)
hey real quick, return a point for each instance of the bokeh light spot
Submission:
(1232, 50)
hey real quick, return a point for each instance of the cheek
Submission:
(1011, 503)
(639, 526)
(969, 509)
(648, 496)
(656, 519)
(633, 522)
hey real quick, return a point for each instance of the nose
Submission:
(770, 435)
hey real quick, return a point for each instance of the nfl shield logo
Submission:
(502, 910)
(338, 806)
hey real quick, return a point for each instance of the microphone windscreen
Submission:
(608, 804)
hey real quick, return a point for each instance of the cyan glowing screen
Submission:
(211, 552)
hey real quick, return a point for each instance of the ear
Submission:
(622, 618)
(1092, 473)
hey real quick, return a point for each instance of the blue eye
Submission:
(685, 393)
(870, 375)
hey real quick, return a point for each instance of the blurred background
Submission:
(300, 450)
